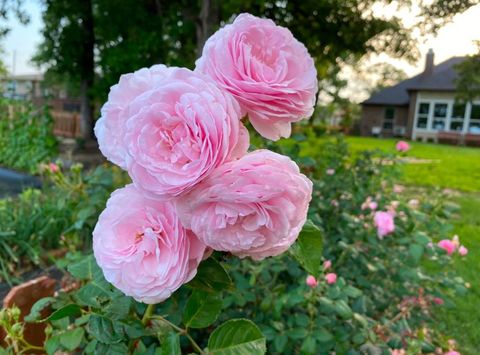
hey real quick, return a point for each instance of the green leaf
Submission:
(68, 310)
(211, 277)
(309, 346)
(170, 345)
(352, 292)
(92, 294)
(323, 335)
(71, 339)
(237, 337)
(202, 309)
(52, 345)
(308, 248)
(343, 310)
(37, 308)
(104, 330)
(416, 252)
(280, 342)
(83, 270)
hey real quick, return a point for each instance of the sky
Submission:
(455, 39)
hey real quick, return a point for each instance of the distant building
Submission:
(65, 109)
(423, 108)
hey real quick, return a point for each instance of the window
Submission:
(439, 116)
(388, 118)
(422, 115)
(458, 116)
(474, 119)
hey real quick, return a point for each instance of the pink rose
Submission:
(255, 206)
(53, 168)
(269, 72)
(438, 301)
(331, 278)
(452, 352)
(402, 146)
(311, 281)
(179, 132)
(327, 264)
(462, 250)
(384, 223)
(447, 245)
(110, 128)
(142, 248)
(330, 171)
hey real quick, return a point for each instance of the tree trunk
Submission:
(88, 73)
(207, 21)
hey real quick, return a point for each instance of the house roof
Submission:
(442, 78)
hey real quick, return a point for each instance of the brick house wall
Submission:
(374, 115)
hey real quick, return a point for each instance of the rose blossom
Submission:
(438, 301)
(447, 245)
(175, 132)
(53, 168)
(311, 281)
(402, 146)
(255, 206)
(110, 128)
(269, 72)
(462, 250)
(327, 264)
(452, 352)
(142, 248)
(331, 278)
(384, 223)
(330, 171)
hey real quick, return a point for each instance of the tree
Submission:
(68, 50)
(468, 81)
(93, 42)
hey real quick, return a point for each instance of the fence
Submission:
(66, 124)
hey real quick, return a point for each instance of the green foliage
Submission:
(60, 216)
(468, 80)
(26, 137)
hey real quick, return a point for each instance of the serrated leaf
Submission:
(170, 345)
(211, 277)
(308, 248)
(71, 339)
(37, 308)
(66, 311)
(237, 337)
(104, 330)
(202, 309)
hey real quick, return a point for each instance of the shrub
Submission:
(382, 299)
(26, 135)
(61, 215)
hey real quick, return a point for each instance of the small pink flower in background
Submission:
(413, 203)
(447, 245)
(334, 203)
(53, 168)
(311, 281)
(330, 171)
(452, 352)
(384, 223)
(327, 264)
(430, 245)
(398, 352)
(369, 204)
(462, 250)
(438, 300)
(402, 146)
(373, 205)
(254, 206)
(398, 189)
(266, 69)
(331, 278)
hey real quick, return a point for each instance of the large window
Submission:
(458, 116)
(422, 115)
(474, 126)
(439, 116)
(389, 118)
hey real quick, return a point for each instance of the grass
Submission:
(455, 168)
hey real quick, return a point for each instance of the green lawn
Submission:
(456, 168)
(448, 166)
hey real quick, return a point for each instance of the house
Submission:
(423, 108)
(64, 108)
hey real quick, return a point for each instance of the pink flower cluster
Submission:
(330, 277)
(453, 245)
(384, 223)
(402, 146)
(179, 135)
